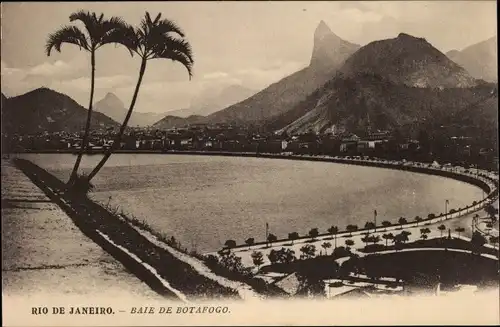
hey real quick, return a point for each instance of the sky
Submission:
(252, 44)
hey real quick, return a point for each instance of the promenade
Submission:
(45, 253)
(460, 218)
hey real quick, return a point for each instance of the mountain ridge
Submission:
(383, 85)
(479, 59)
(282, 95)
(44, 109)
(408, 60)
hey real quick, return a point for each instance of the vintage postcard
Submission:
(249, 163)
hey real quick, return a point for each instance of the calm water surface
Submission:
(203, 200)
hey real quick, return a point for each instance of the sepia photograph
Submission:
(249, 163)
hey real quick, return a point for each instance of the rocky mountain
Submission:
(43, 110)
(169, 122)
(362, 102)
(113, 107)
(384, 85)
(479, 59)
(329, 52)
(408, 60)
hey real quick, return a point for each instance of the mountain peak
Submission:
(411, 38)
(329, 49)
(111, 106)
(408, 60)
(322, 30)
(110, 96)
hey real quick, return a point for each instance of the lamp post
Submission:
(446, 209)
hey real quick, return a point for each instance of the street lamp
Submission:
(446, 209)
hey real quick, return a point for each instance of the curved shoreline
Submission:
(487, 184)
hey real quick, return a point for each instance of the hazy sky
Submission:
(249, 43)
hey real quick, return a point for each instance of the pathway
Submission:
(44, 252)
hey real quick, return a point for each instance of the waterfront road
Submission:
(44, 252)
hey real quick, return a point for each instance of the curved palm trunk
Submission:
(118, 138)
(87, 124)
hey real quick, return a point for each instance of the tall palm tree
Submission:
(153, 39)
(99, 31)
(334, 230)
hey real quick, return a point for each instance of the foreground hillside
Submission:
(354, 103)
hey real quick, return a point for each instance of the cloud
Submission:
(60, 70)
(9, 71)
(259, 78)
(215, 75)
(104, 82)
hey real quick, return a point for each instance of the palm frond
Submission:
(84, 16)
(124, 35)
(175, 49)
(111, 31)
(166, 26)
(157, 19)
(179, 57)
(98, 28)
(66, 34)
(147, 18)
(90, 21)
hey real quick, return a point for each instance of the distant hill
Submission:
(43, 110)
(170, 121)
(329, 52)
(113, 107)
(408, 60)
(209, 103)
(479, 59)
(201, 106)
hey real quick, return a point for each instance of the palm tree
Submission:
(334, 230)
(459, 230)
(257, 258)
(351, 228)
(418, 219)
(366, 238)
(405, 235)
(386, 224)
(271, 238)
(250, 241)
(99, 31)
(154, 39)
(370, 225)
(387, 237)
(230, 244)
(293, 236)
(494, 240)
(326, 246)
(424, 232)
(349, 243)
(402, 221)
(313, 233)
(442, 228)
